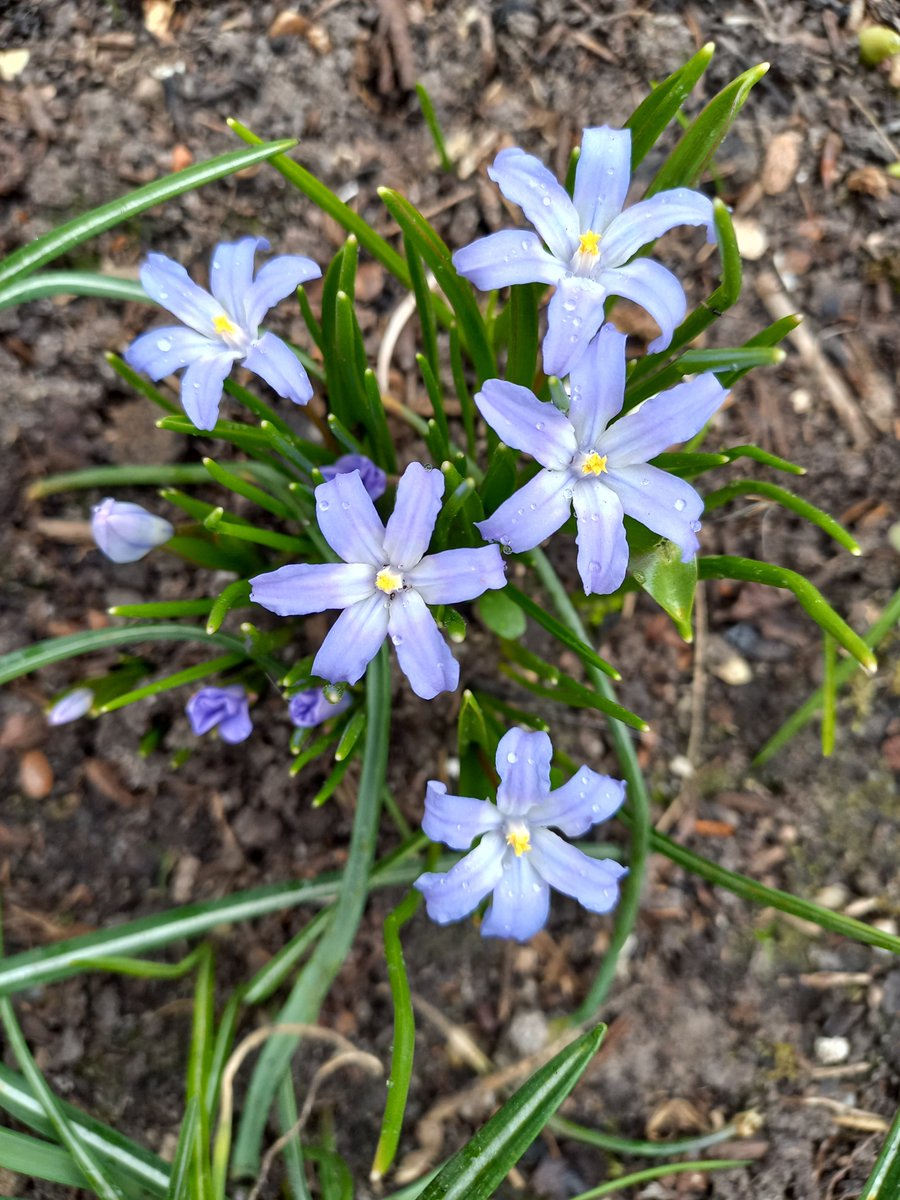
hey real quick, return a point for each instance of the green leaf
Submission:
(884, 1182)
(72, 283)
(471, 728)
(655, 112)
(521, 363)
(249, 491)
(500, 478)
(586, 653)
(179, 1181)
(233, 596)
(771, 491)
(478, 1169)
(433, 127)
(214, 666)
(203, 1185)
(30, 1156)
(501, 614)
(671, 582)
(351, 735)
(129, 475)
(66, 237)
(763, 456)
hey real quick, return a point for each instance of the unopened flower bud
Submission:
(71, 706)
(126, 532)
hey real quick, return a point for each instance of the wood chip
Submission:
(105, 778)
(871, 181)
(158, 19)
(782, 161)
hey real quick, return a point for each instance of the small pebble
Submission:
(35, 775)
(832, 1050)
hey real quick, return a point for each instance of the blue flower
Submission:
(126, 532)
(71, 706)
(312, 707)
(518, 859)
(588, 239)
(223, 327)
(226, 707)
(374, 479)
(384, 585)
(602, 471)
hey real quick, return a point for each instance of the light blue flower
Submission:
(223, 327)
(585, 243)
(126, 532)
(374, 479)
(312, 707)
(600, 469)
(225, 707)
(385, 583)
(71, 706)
(518, 858)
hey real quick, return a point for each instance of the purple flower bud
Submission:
(126, 532)
(374, 479)
(71, 706)
(226, 707)
(312, 707)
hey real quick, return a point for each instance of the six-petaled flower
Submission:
(125, 532)
(223, 327)
(312, 706)
(600, 469)
(225, 707)
(385, 582)
(589, 241)
(518, 858)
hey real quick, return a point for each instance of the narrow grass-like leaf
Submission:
(770, 336)
(771, 491)
(376, 420)
(884, 1182)
(433, 127)
(655, 112)
(214, 666)
(650, 1173)
(245, 437)
(637, 1148)
(500, 478)
(351, 735)
(575, 695)
(26, 1155)
(180, 1179)
(424, 305)
(441, 440)
(510, 714)
(118, 476)
(829, 694)
(764, 457)
(521, 363)
(249, 491)
(231, 597)
(142, 384)
(140, 968)
(284, 542)
(293, 1150)
(501, 614)
(72, 283)
(688, 466)
(332, 783)
(199, 1059)
(547, 621)
(269, 978)
(166, 610)
(463, 394)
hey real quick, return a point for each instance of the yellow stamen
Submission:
(520, 840)
(388, 580)
(594, 464)
(224, 325)
(589, 243)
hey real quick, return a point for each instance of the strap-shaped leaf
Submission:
(671, 582)
(586, 653)
(655, 112)
(26, 1155)
(72, 283)
(884, 1182)
(771, 491)
(215, 666)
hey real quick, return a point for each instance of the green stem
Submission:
(884, 1181)
(615, 1186)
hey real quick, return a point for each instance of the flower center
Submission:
(388, 580)
(224, 326)
(519, 838)
(589, 243)
(594, 464)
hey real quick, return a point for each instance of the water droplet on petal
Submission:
(539, 426)
(324, 506)
(345, 505)
(525, 245)
(680, 505)
(546, 201)
(645, 483)
(164, 344)
(512, 757)
(696, 526)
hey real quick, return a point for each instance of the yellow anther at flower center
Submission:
(388, 580)
(594, 464)
(224, 325)
(520, 840)
(589, 243)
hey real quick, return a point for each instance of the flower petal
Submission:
(126, 532)
(236, 728)
(597, 386)
(373, 478)
(511, 256)
(574, 315)
(649, 219)
(456, 575)
(353, 641)
(669, 417)
(602, 548)
(201, 387)
(411, 524)
(534, 426)
(274, 361)
(654, 288)
(455, 893)
(525, 181)
(348, 520)
(663, 502)
(594, 882)
(231, 275)
(532, 513)
(520, 903)
(160, 352)
(523, 764)
(456, 820)
(585, 800)
(602, 176)
(424, 656)
(277, 278)
(168, 283)
(302, 588)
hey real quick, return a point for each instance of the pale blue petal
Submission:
(511, 256)
(602, 548)
(523, 764)
(654, 288)
(168, 283)
(663, 502)
(649, 219)
(532, 513)
(602, 176)
(276, 279)
(669, 417)
(594, 882)
(525, 181)
(126, 532)
(274, 361)
(201, 387)
(520, 903)
(522, 421)
(348, 520)
(231, 276)
(353, 641)
(456, 820)
(456, 575)
(160, 352)
(236, 728)
(424, 656)
(574, 315)
(411, 524)
(302, 588)
(456, 893)
(597, 386)
(585, 800)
